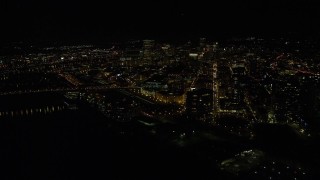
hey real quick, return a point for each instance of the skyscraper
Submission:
(148, 51)
(199, 104)
(238, 78)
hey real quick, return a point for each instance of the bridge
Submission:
(65, 89)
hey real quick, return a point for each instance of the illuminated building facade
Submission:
(199, 104)
(148, 51)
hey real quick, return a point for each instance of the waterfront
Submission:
(83, 143)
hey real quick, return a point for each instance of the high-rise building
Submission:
(199, 104)
(148, 51)
(202, 43)
(132, 54)
(238, 78)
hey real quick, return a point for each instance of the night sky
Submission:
(72, 20)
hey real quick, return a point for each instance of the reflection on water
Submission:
(13, 106)
(32, 111)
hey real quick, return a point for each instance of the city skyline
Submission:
(159, 90)
(245, 108)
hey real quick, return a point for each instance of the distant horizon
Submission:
(164, 39)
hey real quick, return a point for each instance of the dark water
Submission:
(83, 144)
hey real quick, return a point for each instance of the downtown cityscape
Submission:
(244, 108)
(160, 90)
